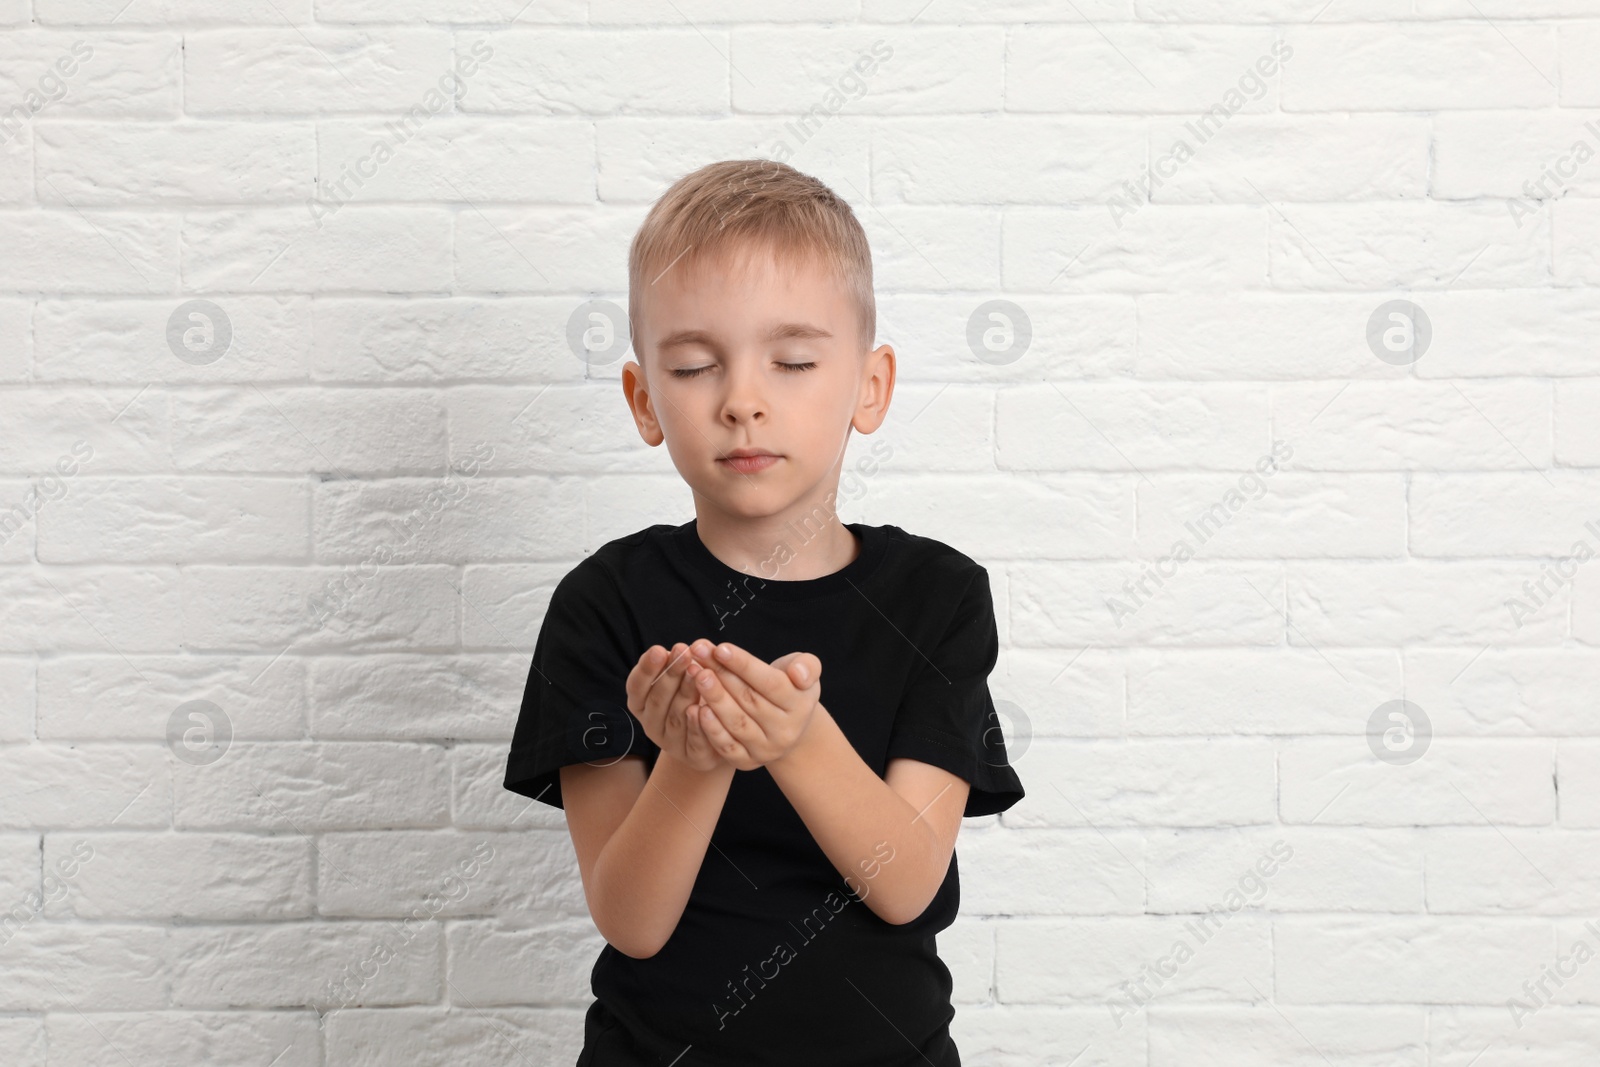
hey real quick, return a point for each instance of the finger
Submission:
(673, 663)
(763, 678)
(742, 726)
(643, 673)
(748, 699)
(722, 742)
(754, 703)
(804, 669)
(685, 694)
(691, 731)
(696, 743)
(666, 681)
(674, 728)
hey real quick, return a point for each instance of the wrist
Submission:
(811, 737)
(684, 771)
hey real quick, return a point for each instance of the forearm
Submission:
(852, 812)
(642, 878)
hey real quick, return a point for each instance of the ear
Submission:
(877, 388)
(637, 394)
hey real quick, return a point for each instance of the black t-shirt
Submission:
(775, 960)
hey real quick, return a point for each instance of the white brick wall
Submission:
(275, 531)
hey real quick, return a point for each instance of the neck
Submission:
(790, 547)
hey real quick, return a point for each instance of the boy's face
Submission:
(743, 354)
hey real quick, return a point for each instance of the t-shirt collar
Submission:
(686, 541)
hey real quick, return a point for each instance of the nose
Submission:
(744, 398)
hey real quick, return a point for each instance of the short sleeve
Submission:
(575, 703)
(946, 716)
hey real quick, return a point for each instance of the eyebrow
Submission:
(783, 331)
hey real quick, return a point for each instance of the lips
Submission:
(748, 460)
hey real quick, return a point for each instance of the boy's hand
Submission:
(759, 711)
(662, 696)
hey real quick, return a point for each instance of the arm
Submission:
(640, 842)
(849, 810)
(761, 716)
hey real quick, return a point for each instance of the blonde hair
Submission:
(743, 204)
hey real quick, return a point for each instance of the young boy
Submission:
(769, 868)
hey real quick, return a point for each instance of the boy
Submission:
(769, 871)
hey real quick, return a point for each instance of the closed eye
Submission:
(690, 372)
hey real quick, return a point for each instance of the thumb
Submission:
(805, 669)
